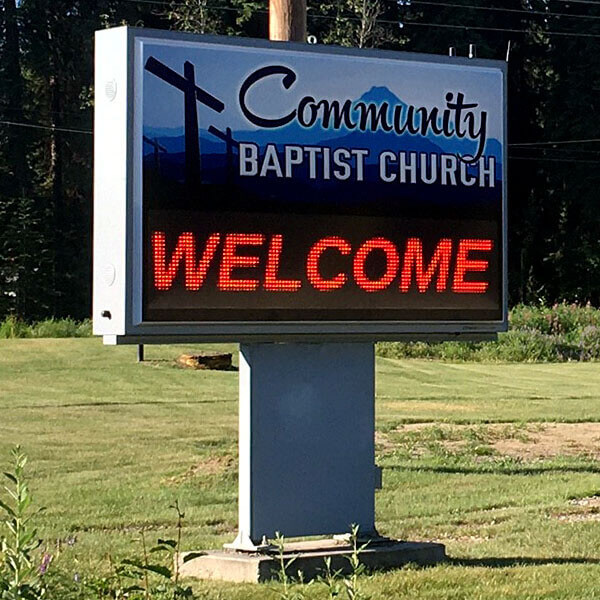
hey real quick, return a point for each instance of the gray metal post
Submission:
(307, 455)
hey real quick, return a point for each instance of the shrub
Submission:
(529, 345)
(457, 351)
(84, 329)
(61, 328)
(558, 333)
(589, 343)
(559, 319)
(12, 327)
(407, 350)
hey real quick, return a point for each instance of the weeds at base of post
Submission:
(334, 581)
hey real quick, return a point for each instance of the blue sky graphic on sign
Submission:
(379, 138)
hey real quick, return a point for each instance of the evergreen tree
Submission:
(46, 76)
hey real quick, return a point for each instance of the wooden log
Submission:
(216, 362)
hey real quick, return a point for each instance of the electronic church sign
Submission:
(248, 190)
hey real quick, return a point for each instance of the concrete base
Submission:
(243, 567)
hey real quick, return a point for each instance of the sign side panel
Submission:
(110, 182)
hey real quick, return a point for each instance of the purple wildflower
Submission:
(46, 560)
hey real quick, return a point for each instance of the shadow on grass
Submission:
(169, 362)
(497, 470)
(129, 403)
(519, 561)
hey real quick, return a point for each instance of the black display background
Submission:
(300, 232)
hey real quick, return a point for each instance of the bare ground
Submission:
(533, 441)
(211, 465)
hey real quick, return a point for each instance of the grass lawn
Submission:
(467, 451)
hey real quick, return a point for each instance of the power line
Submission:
(504, 10)
(556, 152)
(159, 2)
(568, 34)
(101, 24)
(479, 28)
(176, 4)
(415, 23)
(557, 142)
(461, 27)
(559, 152)
(563, 160)
(46, 127)
(89, 131)
(78, 113)
(591, 2)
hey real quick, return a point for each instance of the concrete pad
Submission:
(230, 565)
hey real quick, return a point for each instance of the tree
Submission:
(46, 70)
(356, 23)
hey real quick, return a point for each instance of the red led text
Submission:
(246, 262)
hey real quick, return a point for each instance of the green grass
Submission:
(112, 443)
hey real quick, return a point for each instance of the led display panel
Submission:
(294, 185)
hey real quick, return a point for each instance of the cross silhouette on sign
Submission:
(191, 94)
(230, 144)
(157, 148)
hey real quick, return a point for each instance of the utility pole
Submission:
(287, 20)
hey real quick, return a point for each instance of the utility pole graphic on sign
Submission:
(230, 143)
(191, 93)
(157, 149)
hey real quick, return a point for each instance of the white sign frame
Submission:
(117, 311)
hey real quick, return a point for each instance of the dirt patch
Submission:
(213, 465)
(533, 441)
(585, 509)
(578, 517)
(591, 502)
(383, 442)
(554, 439)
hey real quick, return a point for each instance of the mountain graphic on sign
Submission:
(380, 94)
